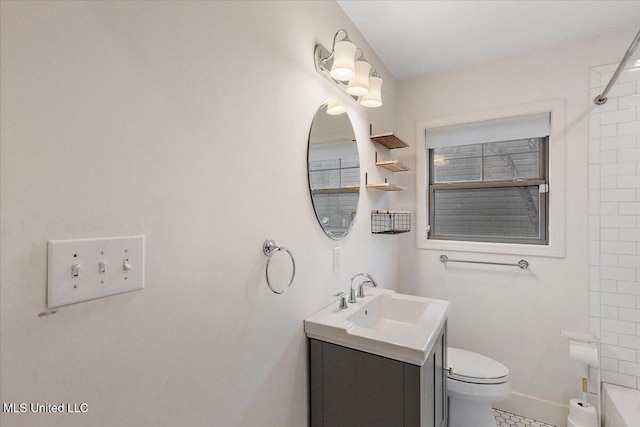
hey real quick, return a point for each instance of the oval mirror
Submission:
(334, 171)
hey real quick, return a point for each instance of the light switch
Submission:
(75, 270)
(102, 267)
(81, 270)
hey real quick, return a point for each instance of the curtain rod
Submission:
(602, 98)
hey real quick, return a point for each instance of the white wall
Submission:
(186, 122)
(508, 314)
(614, 230)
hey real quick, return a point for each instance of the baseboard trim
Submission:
(535, 408)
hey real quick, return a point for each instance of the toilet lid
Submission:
(475, 368)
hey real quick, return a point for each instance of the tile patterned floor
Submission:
(505, 419)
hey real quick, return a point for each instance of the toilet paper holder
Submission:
(585, 348)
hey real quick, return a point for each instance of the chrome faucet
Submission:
(370, 279)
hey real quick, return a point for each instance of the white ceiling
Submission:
(418, 37)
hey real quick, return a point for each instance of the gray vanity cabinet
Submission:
(351, 388)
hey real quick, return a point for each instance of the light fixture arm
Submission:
(333, 47)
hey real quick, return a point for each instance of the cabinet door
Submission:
(360, 389)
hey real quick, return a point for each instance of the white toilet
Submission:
(474, 384)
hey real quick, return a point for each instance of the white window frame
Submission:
(556, 243)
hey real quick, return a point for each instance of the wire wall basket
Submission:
(390, 222)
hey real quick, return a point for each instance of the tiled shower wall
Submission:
(614, 223)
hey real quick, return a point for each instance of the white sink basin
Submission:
(397, 326)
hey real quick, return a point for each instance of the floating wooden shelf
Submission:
(389, 140)
(341, 190)
(386, 186)
(394, 166)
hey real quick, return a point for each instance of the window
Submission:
(490, 191)
(542, 121)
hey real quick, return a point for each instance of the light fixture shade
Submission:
(344, 53)
(359, 85)
(374, 97)
(334, 108)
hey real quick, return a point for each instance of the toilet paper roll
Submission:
(583, 352)
(582, 416)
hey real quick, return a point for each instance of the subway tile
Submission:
(594, 277)
(626, 168)
(610, 312)
(594, 126)
(629, 208)
(629, 288)
(630, 315)
(616, 352)
(607, 285)
(625, 274)
(628, 181)
(629, 101)
(638, 360)
(628, 154)
(618, 221)
(609, 364)
(629, 235)
(620, 248)
(594, 151)
(626, 128)
(594, 227)
(594, 304)
(629, 261)
(609, 156)
(618, 300)
(594, 202)
(618, 326)
(608, 208)
(619, 116)
(622, 89)
(609, 233)
(594, 177)
(608, 181)
(618, 195)
(606, 260)
(606, 131)
(617, 142)
(619, 379)
(604, 69)
(610, 338)
(629, 341)
(629, 368)
(637, 302)
(629, 75)
(594, 325)
(594, 254)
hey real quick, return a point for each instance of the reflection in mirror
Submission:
(334, 171)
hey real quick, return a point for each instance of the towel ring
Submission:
(269, 248)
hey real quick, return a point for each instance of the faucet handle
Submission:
(343, 300)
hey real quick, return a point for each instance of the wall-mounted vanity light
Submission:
(348, 69)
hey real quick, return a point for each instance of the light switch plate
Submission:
(337, 258)
(85, 269)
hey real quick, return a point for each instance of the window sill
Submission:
(493, 248)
